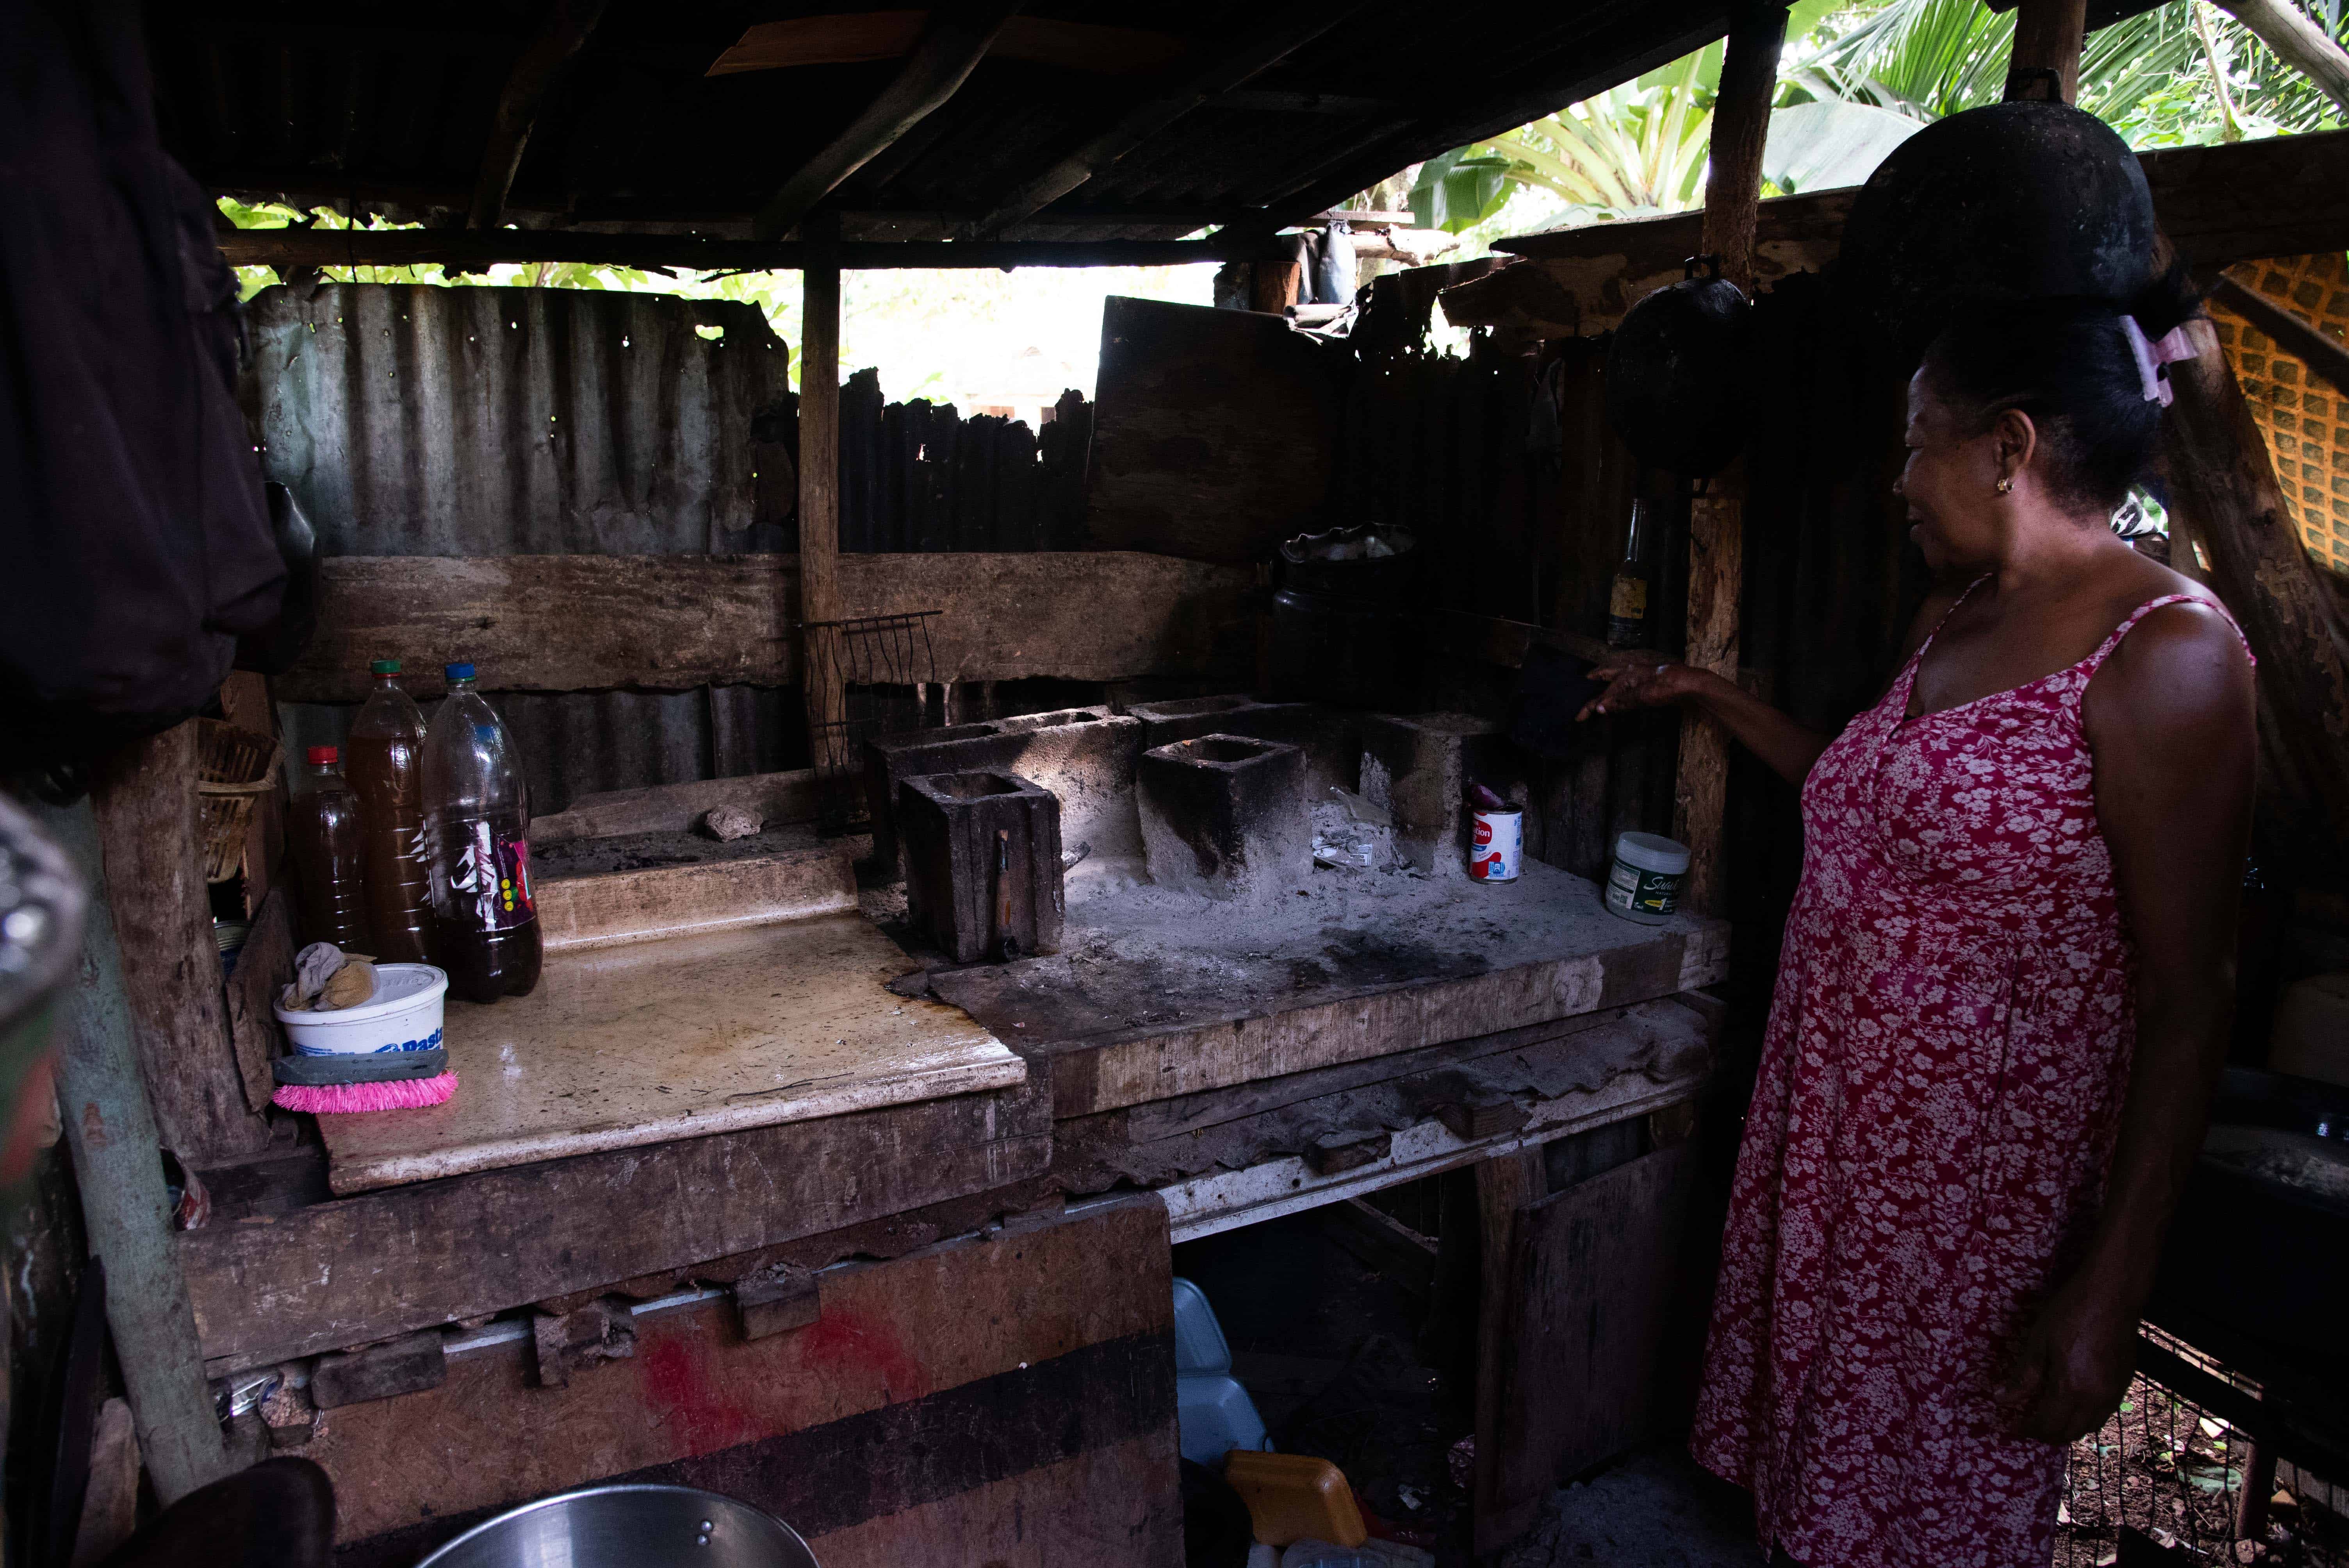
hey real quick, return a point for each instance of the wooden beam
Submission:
(544, 63)
(2282, 196)
(2047, 37)
(955, 41)
(671, 623)
(1289, 29)
(1741, 123)
(892, 35)
(2322, 354)
(2224, 494)
(110, 1132)
(285, 248)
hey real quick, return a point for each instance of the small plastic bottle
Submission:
(322, 829)
(384, 757)
(484, 922)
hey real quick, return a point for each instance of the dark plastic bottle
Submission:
(484, 921)
(322, 831)
(384, 761)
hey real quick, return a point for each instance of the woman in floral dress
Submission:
(2006, 982)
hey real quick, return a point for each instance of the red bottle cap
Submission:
(317, 754)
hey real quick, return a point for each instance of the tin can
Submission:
(1496, 848)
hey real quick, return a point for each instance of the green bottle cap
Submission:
(384, 667)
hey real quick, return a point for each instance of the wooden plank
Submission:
(1215, 431)
(1599, 1338)
(283, 248)
(357, 1269)
(1089, 615)
(1384, 1242)
(145, 798)
(2286, 195)
(675, 808)
(662, 901)
(1135, 1064)
(823, 676)
(671, 623)
(952, 42)
(968, 1387)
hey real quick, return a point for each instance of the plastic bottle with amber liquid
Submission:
(1627, 600)
(484, 921)
(384, 759)
(322, 832)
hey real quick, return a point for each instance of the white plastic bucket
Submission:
(403, 1015)
(1497, 851)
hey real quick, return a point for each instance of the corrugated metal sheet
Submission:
(419, 420)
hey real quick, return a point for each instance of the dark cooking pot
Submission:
(1676, 373)
(2027, 199)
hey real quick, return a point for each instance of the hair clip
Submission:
(2151, 354)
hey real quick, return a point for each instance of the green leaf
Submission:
(1829, 144)
(1459, 190)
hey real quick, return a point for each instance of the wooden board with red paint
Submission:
(1001, 1399)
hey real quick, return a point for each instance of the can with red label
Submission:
(1496, 844)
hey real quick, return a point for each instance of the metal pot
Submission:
(629, 1527)
(2026, 199)
(1677, 373)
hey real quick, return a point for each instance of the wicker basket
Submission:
(234, 767)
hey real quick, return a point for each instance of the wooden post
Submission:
(1732, 196)
(2047, 37)
(144, 801)
(827, 698)
(2226, 498)
(110, 1131)
(1505, 1184)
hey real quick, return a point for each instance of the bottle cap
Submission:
(384, 667)
(457, 672)
(323, 754)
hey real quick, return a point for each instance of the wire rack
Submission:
(884, 674)
(2168, 1480)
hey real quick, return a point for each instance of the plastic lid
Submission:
(384, 667)
(1652, 853)
(323, 754)
(457, 672)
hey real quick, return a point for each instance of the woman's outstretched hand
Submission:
(1640, 680)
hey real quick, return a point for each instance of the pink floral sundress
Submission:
(1925, 1155)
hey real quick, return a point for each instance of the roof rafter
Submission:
(956, 41)
(545, 61)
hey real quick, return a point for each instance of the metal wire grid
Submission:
(2163, 1481)
(884, 668)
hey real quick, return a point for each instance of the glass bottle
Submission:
(1627, 601)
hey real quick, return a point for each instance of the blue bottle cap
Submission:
(457, 672)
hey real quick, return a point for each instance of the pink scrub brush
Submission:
(398, 1094)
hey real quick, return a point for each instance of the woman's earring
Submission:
(2005, 485)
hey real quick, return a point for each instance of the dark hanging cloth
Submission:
(136, 547)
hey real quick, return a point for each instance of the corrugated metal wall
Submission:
(421, 420)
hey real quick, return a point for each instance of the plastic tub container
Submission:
(1214, 1417)
(404, 1015)
(1644, 883)
(1296, 1497)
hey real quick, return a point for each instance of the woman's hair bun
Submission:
(2068, 364)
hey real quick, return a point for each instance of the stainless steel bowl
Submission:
(628, 1527)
